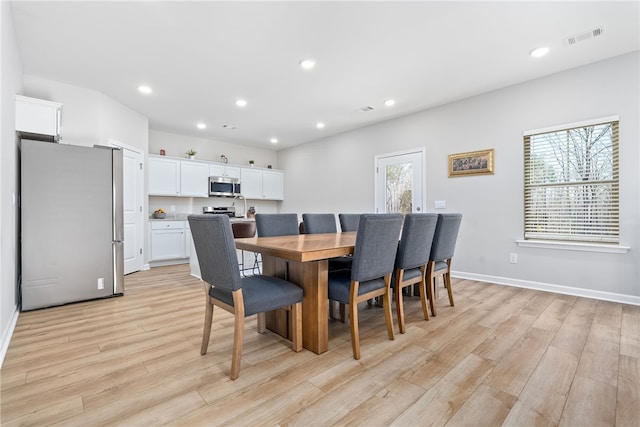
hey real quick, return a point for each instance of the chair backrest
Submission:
(276, 224)
(417, 236)
(315, 223)
(445, 237)
(216, 251)
(376, 246)
(349, 222)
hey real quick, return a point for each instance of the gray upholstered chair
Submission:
(315, 223)
(370, 275)
(349, 222)
(412, 259)
(225, 288)
(277, 224)
(442, 249)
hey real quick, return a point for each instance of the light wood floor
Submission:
(501, 356)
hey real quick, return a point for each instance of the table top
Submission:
(301, 247)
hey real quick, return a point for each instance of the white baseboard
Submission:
(547, 287)
(7, 334)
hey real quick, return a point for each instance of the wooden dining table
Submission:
(302, 259)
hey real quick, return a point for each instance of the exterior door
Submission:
(132, 195)
(400, 182)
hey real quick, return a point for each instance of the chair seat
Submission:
(410, 274)
(440, 265)
(340, 286)
(261, 293)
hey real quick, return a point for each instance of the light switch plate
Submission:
(439, 204)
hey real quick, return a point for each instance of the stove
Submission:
(222, 210)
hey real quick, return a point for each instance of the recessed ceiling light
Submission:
(307, 64)
(539, 52)
(241, 103)
(273, 140)
(390, 102)
(144, 89)
(320, 125)
(201, 126)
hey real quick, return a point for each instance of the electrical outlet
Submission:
(513, 258)
(439, 204)
(173, 208)
(100, 282)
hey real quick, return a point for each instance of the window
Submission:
(571, 183)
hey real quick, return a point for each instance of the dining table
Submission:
(302, 259)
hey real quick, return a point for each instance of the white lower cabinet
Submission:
(169, 240)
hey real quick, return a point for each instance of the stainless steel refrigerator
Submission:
(71, 223)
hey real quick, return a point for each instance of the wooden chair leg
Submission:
(296, 321)
(400, 308)
(355, 333)
(386, 305)
(423, 298)
(262, 322)
(447, 284)
(206, 331)
(238, 333)
(399, 303)
(430, 293)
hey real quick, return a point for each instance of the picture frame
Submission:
(471, 163)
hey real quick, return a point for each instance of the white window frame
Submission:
(568, 244)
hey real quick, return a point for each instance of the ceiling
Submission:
(200, 57)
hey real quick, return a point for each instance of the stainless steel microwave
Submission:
(223, 186)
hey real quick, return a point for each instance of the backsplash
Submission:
(188, 205)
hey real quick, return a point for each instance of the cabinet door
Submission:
(232, 171)
(194, 179)
(251, 183)
(164, 177)
(220, 169)
(167, 244)
(273, 185)
(216, 169)
(37, 116)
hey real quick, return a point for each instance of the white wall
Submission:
(10, 85)
(338, 172)
(90, 117)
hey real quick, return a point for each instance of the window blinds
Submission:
(571, 184)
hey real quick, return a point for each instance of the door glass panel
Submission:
(399, 186)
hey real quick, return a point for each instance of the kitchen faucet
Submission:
(240, 196)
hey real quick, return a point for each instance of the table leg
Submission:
(312, 278)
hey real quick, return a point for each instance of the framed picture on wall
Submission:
(472, 163)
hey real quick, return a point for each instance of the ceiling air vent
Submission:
(365, 109)
(596, 32)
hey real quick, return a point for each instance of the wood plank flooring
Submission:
(501, 356)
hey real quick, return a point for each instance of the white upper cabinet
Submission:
(251, 183)
(194, 179)
(38, 119)
(221, 169)
(273, 185)
(164, 176)
(264, 184)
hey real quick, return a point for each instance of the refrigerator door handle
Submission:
(118, 268)
(118, 203)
